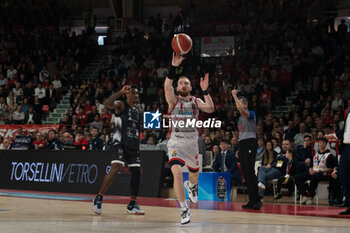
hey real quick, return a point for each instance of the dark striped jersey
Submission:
(127, 127)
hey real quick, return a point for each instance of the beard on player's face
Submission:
(133, 98)
(184, 92)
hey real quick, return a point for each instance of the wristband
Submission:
(206, 92)
(172, 72)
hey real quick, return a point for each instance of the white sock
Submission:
(183, 205)
(190, 184)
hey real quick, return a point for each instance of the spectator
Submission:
(99, 106)
(151, 140)
(234, 142)
(40, 142)
(82, 117)
(145, 135)
(215, 150)
(276, 145)
(269, 154)
(226, 161)
(80, 139)
(25, 106)
(18, 115)
(11, 72)
(88, 107)
(31, 117)
(40, 92)
(323, 164)
(208, 143)
(299, 138)
(265, 98)
(29, 92)
(37, 106)
(44, 74)
(294, 169)
(17, 90)
(217, 137)
(92, 114)
(320, 135)
(342, 30)
(9, 120)
(95, 142)
(57, 84)
(68, 141)
(337, 101)
(162, 71)
(3, 80)
(5, 145)
(291, 131)
(109, 138)
(303, 152)
(274, 170)
(261, 150)
(12, 105)
(50, 96)
(53, 143)
(202, 151)
(66, 122)
(105, 117)
(5, 113)
(2, 103)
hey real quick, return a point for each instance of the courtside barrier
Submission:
(76, 171)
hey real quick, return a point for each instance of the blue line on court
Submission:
(45, 196)
(3, 210)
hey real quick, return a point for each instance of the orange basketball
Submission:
(181, 43)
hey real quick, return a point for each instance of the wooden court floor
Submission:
(47, 214)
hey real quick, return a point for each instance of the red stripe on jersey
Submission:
(193, 169)
(169, 113)
(182, 161)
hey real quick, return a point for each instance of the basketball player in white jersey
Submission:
(183, 142)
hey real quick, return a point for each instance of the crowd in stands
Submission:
(14, 13)
(280, 52)
(38, 63)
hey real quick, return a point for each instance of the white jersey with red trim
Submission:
(320, 160)
(183, 118)
(183, 142)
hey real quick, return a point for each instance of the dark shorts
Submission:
(122, 154)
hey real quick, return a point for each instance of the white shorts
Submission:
(184, 152)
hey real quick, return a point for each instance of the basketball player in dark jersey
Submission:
(125, 147)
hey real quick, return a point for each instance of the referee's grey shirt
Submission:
(247, 126)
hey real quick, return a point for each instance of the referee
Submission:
(247, 147)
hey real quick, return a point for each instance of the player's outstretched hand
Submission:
(205, 82)
(234, 92)
(177, 59)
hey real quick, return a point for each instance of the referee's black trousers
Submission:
(247, 153)
(344, 171)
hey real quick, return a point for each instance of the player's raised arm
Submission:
(112, 102)
(207, 105)
(168, 84)
(242, 108)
